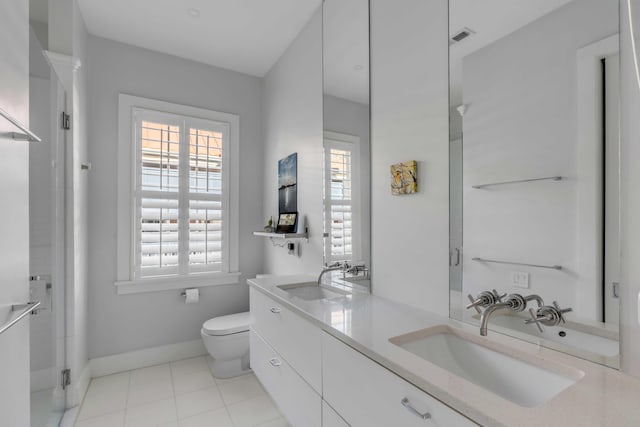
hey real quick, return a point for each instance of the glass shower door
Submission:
(46, 250)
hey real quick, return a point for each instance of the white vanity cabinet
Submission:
(299, 403)
(295, 338)
(286, 358)
(366, 394)
(317, 380)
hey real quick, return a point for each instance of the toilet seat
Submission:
(227, 325)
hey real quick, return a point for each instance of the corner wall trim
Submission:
(107, 365)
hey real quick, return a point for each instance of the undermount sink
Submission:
(312, 291)
(512, 376)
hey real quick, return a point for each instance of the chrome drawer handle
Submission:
(414, 411)
(275, 310)
(275, 362)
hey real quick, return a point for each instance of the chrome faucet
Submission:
(536, 298)
(333, 267)
(486, 314)
(513, 302)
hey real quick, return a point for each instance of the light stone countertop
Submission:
(602, 397)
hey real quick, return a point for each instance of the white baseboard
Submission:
(80, 386)
(43, 379)
(69, 417)
(108, 365)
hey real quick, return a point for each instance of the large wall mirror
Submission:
(534, 168)
(345, 40)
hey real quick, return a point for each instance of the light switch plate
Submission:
(520, 279)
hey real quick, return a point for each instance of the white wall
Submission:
(352, 118)
(125, 323)
(630, 177)
(38, 37)
(521, 123)
(14, 187)
(409, 113)
(292, 111)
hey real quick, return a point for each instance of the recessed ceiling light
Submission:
(358, 67)
(194, 13)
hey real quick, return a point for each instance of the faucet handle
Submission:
(561, 311)
(498, 296)
(548, 315)
(484, 299)
(535, 319)
(475, 303)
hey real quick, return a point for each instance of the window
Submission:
(341, 197)
(178, 196)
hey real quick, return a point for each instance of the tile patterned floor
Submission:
(177, 394)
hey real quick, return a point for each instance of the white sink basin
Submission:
(312, 291)
(515, 377)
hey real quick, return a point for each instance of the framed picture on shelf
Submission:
(287, 222)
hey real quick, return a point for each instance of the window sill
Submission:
(157, 284)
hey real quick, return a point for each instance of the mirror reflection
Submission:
(346, 131)
(534, 171)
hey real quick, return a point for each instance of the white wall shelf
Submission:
(283, 236)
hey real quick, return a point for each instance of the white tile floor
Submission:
(177, 394)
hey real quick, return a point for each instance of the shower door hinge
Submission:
(615, 287)
(66, 121)
(65, 378)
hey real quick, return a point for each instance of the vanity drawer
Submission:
(300, 404)
(294, 338)
(366, 394)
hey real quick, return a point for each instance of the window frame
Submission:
(127, 278)
(343, 141)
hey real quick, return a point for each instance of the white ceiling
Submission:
(247, 36)
(491, 20)
(346, 49)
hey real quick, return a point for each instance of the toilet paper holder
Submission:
(190, 295)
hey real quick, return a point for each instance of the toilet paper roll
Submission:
(191, 296)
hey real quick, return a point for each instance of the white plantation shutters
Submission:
(180, 195)
(340, 195)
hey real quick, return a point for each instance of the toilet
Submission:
(227, 341)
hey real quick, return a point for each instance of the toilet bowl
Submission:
(227, 341)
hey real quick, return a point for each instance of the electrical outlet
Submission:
(520, 279)
(291, 247)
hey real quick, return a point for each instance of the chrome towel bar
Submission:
(26, 309)
(495, 261)
(519, 181)
(26, 136)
